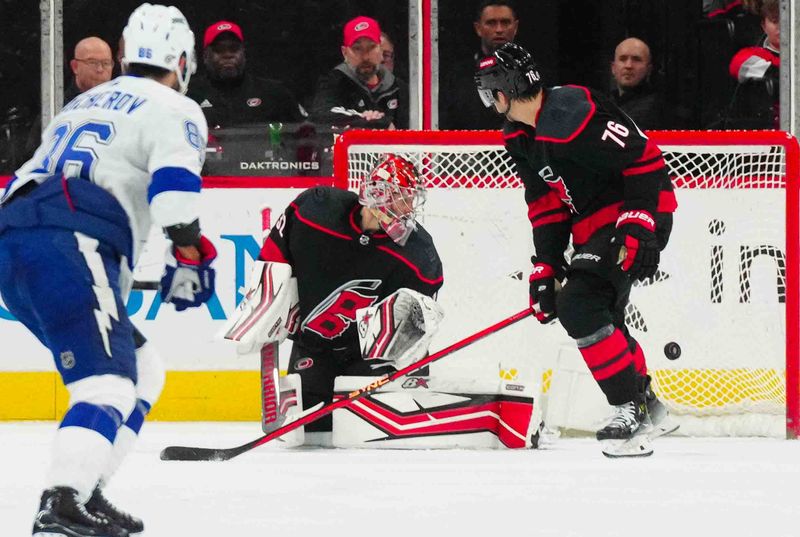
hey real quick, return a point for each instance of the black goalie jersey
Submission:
(584, 163)
(340, 268)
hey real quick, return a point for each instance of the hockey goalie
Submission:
(351, 279)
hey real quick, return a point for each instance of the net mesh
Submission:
(727, 381)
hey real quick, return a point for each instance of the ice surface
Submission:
(690, 487)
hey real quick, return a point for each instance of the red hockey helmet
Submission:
(395, 193)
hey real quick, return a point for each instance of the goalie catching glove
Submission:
(639, 252)
(269, 311)
(187, 283)
(398, 329)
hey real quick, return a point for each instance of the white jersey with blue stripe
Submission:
(140, 140)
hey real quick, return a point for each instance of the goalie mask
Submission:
(395, 194)
(510, 69)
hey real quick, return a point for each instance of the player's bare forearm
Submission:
(189, 252)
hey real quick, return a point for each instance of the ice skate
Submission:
(61, 514)
(98, 504)
(626, 434)
(663, 423)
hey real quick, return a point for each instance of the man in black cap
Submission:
(231, 96)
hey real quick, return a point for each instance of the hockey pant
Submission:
(591, 308)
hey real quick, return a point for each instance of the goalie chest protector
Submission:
(340, 269)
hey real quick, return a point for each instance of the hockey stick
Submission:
(146, 285)
(184, 453)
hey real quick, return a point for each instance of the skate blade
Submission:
(668, 426)
(638, 446)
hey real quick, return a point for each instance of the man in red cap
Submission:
(230, 95)
(360, 91)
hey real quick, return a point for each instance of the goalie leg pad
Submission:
(430, 413)
(291, 406)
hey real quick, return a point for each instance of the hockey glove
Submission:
(187, 283)
(638, 254)
(543, 292)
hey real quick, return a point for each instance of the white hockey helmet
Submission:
(160, 36)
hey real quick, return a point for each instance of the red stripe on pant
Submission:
(639, 363)
(608, 356)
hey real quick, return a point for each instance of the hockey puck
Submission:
(672, 351)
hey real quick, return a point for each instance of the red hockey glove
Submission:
(543, 292)
(638, 252)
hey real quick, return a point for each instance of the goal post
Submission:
(719, 323)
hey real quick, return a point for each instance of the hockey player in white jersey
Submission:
(118, 158)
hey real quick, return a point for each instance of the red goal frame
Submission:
(689, 138)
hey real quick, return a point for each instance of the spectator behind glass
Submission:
(460, 107)
(91, 65)
(757, 70)
(360, 91)
(387, 52)
(229, 94)
(631, 69)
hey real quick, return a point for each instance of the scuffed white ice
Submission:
(688, 488)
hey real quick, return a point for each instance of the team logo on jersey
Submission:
(558, 185)
(392, 104)
(303, 363)
(333, 316)
(253, 102)
(192, 133)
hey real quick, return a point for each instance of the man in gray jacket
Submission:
(360, 92)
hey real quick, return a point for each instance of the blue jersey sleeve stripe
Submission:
(172, 179)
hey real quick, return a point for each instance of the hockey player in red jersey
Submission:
(348, 252)
(590, 172)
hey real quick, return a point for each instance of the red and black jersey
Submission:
(340, 268)
(584, 163)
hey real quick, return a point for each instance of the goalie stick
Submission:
(185, 453)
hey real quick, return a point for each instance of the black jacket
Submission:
(248, 100)
(644, 105)
(459, 104)
(340, 96)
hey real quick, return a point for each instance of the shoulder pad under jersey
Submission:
(326, 205)
(565, 113)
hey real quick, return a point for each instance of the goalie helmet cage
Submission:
(719, 322)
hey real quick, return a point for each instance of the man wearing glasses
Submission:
(91, 65)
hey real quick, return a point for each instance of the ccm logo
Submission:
(643, 216)
(487, 62)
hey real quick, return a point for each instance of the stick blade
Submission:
(185, 453)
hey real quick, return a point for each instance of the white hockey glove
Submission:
(269, 311)
(398, 329)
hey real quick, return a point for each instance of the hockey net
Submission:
(718, 323)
